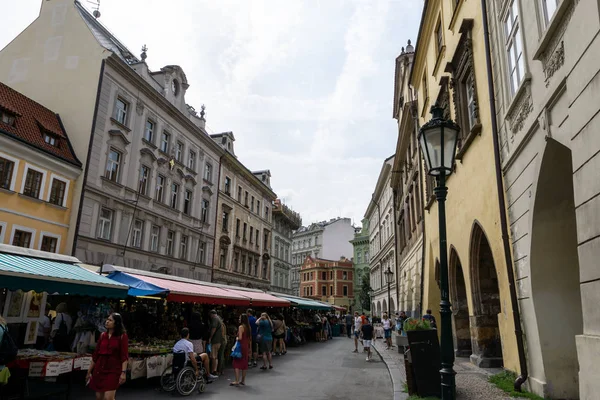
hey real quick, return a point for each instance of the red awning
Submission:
(196, 293)
(260, 299)
(339, 308)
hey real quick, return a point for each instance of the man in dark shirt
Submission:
(254, 329)
(349, 321)
(367, 331)
(429, 317)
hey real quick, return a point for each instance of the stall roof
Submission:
(196, 292)
(26, 272)
(137, 287)
(260, 299)
(303, 303)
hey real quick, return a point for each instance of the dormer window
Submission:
(7, 117)
(51, 139)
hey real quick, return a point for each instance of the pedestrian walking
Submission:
(216, 335)
(108, 369)
(357, 331)
(265, 339)
(254, 329)
(244, 337)
(367, 333)
(349, 320)
(387, 330)
(429, 317)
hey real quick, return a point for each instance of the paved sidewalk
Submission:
(471, 381)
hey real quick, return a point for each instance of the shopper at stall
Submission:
(279, 330)
(265, 339)
(254, 329)
(215, 338)
(44, 328)
(108, 369)
(184, 345)
(244, 337)
(61, 329)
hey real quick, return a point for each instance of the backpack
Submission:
(8, 349)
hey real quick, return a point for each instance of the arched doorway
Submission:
(460, 307)
(485, 334)
(554, 265)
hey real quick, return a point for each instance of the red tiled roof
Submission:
(31, 120)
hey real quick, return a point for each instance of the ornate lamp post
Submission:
(389, 275)
(438, 142)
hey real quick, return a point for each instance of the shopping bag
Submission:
(236, 350)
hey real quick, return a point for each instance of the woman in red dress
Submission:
(108, 369)
(241, 364)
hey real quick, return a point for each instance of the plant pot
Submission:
(425, 352)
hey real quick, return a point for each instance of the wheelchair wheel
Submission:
(186, 381)
(167, 380)
(201, 384)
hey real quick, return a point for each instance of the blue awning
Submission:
(30, 273)
(138, 287)
(305, 304)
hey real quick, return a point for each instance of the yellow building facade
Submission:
(38, 169)
(450, 70)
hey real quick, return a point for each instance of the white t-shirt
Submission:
(357, 323)
(59, 318)
(387, 323)
(183, 346)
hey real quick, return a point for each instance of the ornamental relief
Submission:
(554, 62)
(520, 112)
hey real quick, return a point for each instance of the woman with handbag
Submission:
(243, 341)
(108, 369)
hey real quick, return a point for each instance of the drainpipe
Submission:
(422, 232)
(397, 254)
(212, 270)
(502, 206)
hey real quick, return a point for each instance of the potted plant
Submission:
(425, 356)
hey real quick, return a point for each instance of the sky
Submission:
(306, 86)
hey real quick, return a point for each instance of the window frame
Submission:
(13, 173)
(202, 252)
(227, 187)
(108, 173)
(513, 40)
(192, 160)
(154, 238)
(101, 226)
(170, 243)
(144, 180)
(547, 17)
(24, 229)
(225, 221)
(179, 150)
(165, 141)
(183, 247)
(66, 182)
(137, 236)
(122, 114)
(205, 211)
(174, 198)
(42, 181)
(207, 172)
(161, 188)
(148, 135)
(187, 201)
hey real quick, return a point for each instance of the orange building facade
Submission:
(328, 280)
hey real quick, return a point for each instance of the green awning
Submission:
(305, 304)
(29, 273)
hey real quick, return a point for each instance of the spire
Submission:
(144, 55)
(409, 47)
(202, 108)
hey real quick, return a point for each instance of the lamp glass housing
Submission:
(438, 139)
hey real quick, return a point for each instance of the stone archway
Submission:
(460, 307)
(485, 334)
(554, 272)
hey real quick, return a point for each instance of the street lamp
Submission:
(389, 275)
(371, 294)
(438, 142)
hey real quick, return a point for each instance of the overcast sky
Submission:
(306, 86)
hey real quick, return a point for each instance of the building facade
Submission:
(150, 188)
(285, 221)
(382, 245)
(360, 243)
(449, 69)
(546, 80)
(407, 190)
(244, 222)
(38, 169)
(328, 280)
(325, 239)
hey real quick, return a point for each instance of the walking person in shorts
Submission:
(357, 325)
(367, 332)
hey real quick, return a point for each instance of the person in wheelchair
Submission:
(185, 346)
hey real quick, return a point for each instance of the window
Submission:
(244, 231)
(359, 257)
(164, 142)
(223, 258)
(192, 160)
(425, 88)
(57, 192)
(170, 240)
(174, 194)
(33, 183)
(202, 252)
(225, 222)
(105, 224)
(7, 117)
(239, 197)
(267, 213)
(439, 37)
(345, 290)
(256, 239)
(366, 256)
(187, 202)
(324, 275)
(323, 290)
(6, 172)
(144, 180)
(257, 207)
(138, 228)
(179, 152)
(549, 8)
(183, 247)
(149, 131)
(252, 204)
(205, 206)
(21, 238)
(112, 165)
(251, 233)
(49, 244)
(246, 199)
(276, 250)
(344, 275)
(228, 186)
(266, 240)
(160, 188)
(51, 139)
(236, 257)
(311, 291)
(514, 47)
(237, 227)
(154, 238)
(243, 264)
(208, 172)
(121, 112)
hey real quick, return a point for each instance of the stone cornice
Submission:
(232, 162)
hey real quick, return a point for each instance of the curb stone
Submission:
(394, 371)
